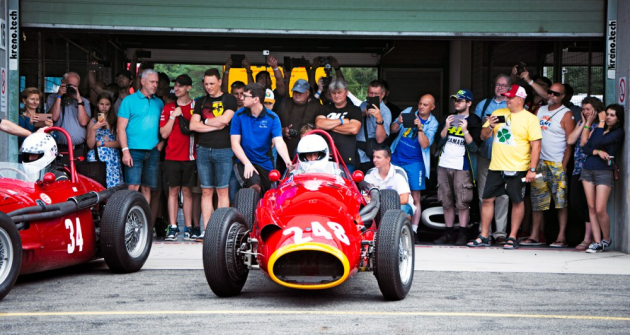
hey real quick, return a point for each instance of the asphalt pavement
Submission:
(455, 290)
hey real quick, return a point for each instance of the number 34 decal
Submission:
(319, 230)
(76, 237)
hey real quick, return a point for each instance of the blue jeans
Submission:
(146, 164)
(214, 167)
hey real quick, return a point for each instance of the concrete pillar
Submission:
(621, 192)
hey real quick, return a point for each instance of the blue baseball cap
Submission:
(300, 86)
(463, 94)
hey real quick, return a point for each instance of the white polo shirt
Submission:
(396, 179)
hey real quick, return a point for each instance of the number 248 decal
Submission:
(319, 230)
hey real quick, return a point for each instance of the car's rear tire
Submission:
(246, 202)
(389, 199)
(126, 231)
(10, 254)
(225, 270)
(394, 255)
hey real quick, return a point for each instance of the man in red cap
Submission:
(515, 153)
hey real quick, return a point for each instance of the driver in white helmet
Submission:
(38, 153)
(313, 154)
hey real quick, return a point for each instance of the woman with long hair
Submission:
(101, 136)
(29, 117)
(577, 200)
(598, 170)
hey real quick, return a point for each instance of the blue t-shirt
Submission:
(144, 120)
(256, 134)
(409, 150)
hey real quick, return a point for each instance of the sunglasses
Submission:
(554, 93)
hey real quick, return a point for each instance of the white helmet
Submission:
(311, 144)
(40, 144)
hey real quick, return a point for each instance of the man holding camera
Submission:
(71, 112)
(515, 153)
(556, 123)
(460, 140)
(376, 123)
(412, 147)
(296, 112)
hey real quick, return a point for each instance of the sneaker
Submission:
(606, 244)
(171, 233)
(594, 248)
(195, 233)
(462, 239)
(188, 232)
(445, 239)
(200, 238)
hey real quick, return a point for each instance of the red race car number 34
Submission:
(318, 230)
(76, 238)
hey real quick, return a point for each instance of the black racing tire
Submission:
(226, 271)
(126, 232)
(246, 202)
(10, 254)
(394, 255)
(389, 199)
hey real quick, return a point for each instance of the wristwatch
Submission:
(380, 123)
(532, 169)
(81, 103)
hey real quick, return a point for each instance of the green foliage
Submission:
(194, 71)
(358, 79)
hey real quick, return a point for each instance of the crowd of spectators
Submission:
(512, 149)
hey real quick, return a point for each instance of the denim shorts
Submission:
(145, 169)
(598, 177)
(416, 175)
(214, 167)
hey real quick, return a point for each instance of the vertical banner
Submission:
(611, 45)
(14, 38)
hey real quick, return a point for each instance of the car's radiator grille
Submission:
(308, 267)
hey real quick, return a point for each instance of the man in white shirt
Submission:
(386, 175)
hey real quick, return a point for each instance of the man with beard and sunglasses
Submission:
(556, 123)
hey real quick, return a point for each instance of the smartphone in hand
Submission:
(501, 119)
(408, 120)
(372, 101)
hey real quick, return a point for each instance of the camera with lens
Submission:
(71, 92)
(293, 133)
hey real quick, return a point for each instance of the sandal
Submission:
(485, 242)
(559, 244)
(530, 242)
(510, 244)
(582, 246)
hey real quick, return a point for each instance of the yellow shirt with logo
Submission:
(511, 147)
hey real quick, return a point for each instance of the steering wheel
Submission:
(14, 170)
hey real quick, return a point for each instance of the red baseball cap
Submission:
(515, 91)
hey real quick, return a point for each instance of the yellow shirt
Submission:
(511, 146)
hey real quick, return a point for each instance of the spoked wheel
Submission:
(10, 254)
(394, 255)
(226, 271)
(126, 231)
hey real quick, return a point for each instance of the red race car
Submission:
(314, 230)
(62, 218)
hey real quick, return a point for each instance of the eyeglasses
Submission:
(554, 93)
(247, 96)
(501, 86)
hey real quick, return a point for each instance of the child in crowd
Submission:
(101, 138)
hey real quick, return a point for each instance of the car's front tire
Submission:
(225, 269)
(246, 202)
(10, 254)
(394, 255)
(126, 231)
